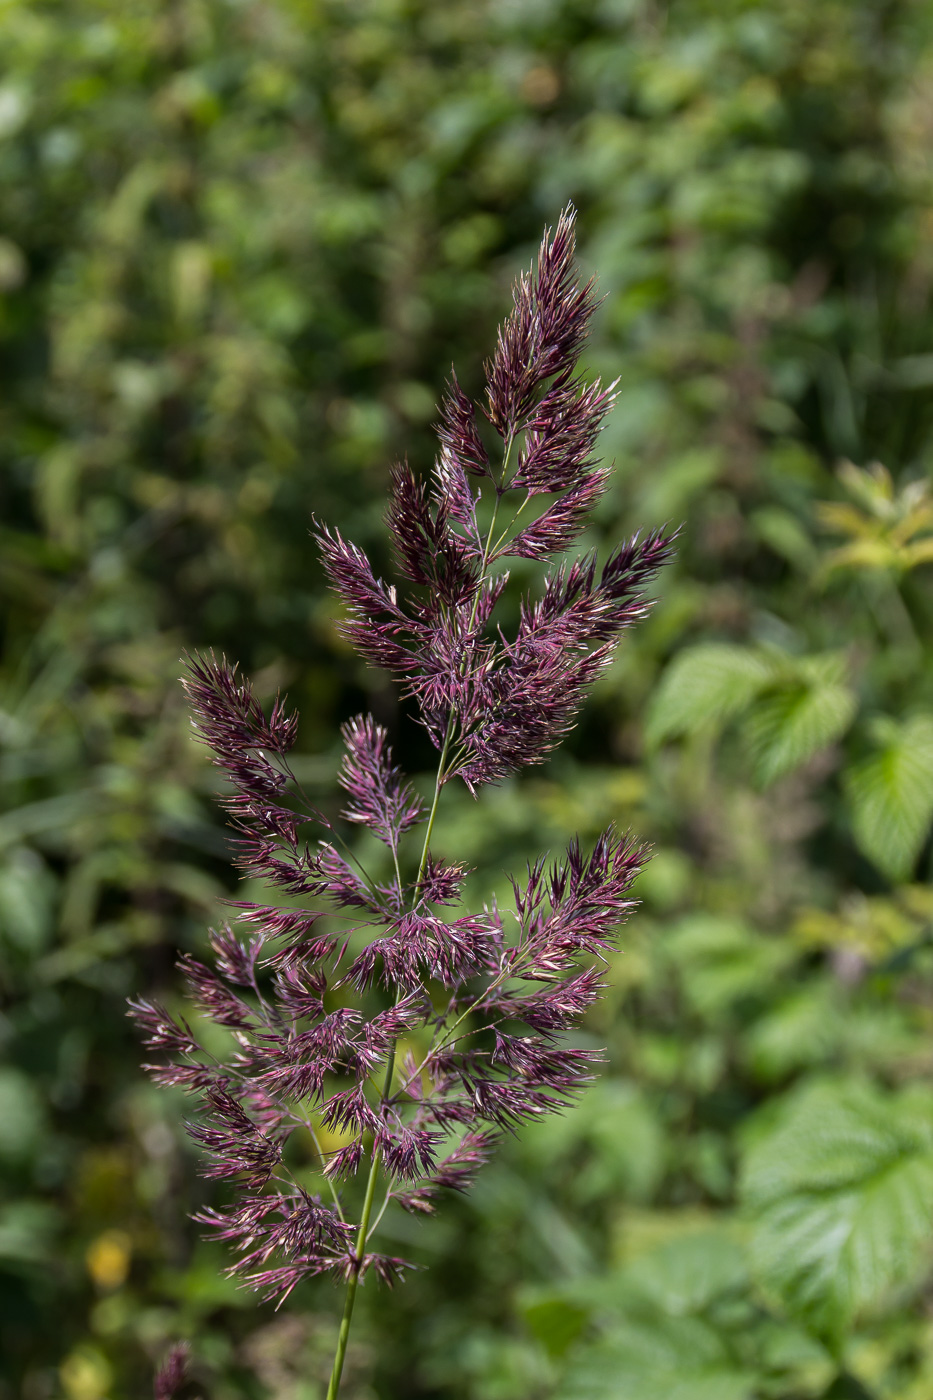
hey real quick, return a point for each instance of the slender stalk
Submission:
(364, 1231)
(438, 784)
(384, 1207)
(353, 1281)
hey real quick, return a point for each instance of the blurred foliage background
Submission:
(241, 242)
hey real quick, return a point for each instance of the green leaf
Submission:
(615, 1133)
(22, 1115)
(653, 1357)
(802, 1029)
(890, 796)
(786, 535)
(688, 1273)
(705, 686)
(27, 1230)
(555, 1322)
(27, 900)
(678, 1322)
(840, 1190)
(790, 724)
(847, 1388)
(720, 962)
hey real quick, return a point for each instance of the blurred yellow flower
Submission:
(108, 1259)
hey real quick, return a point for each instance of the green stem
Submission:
(363, 1233)
(438, 784)
(354, 1279)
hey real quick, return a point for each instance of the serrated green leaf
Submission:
(658, 1358)
(890, 797)
(706, 686)
(822, 668)
(677, 1321)
(841, 1194)
(790, 725)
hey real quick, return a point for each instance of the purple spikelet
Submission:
(172, 1374)
(374, 1023)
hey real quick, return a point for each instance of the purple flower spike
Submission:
(382, 1037)
(544, 334)
(378, 798)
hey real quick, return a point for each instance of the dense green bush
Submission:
(241, 244)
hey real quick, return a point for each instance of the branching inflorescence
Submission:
(417, 1034)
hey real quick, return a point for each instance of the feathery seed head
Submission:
(408, 1035)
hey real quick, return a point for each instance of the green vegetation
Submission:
(241, 243)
